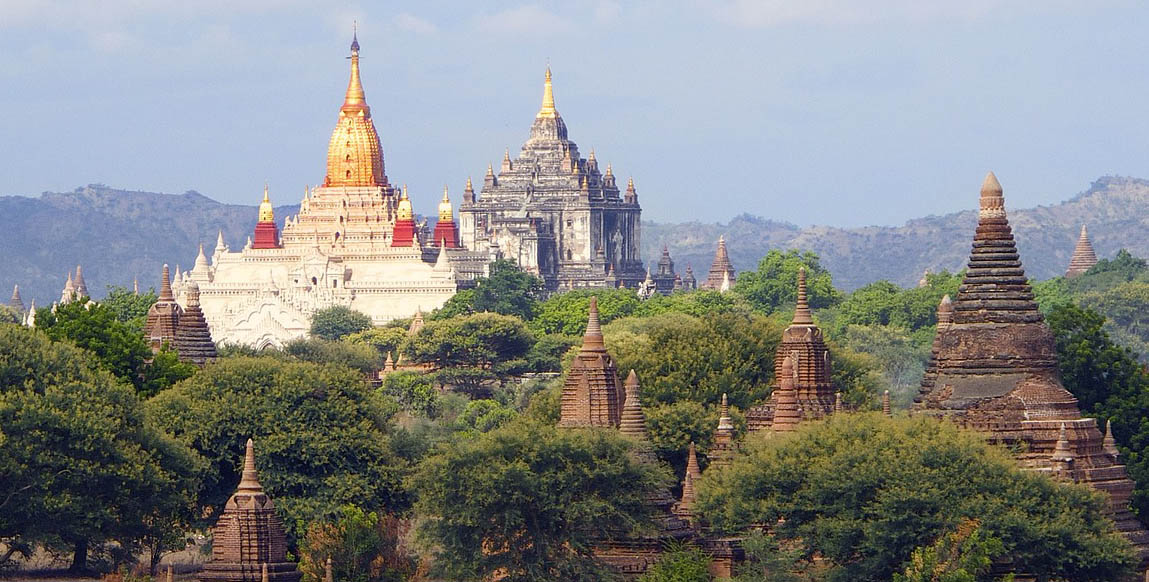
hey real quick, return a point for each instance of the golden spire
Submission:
(548, 108)
(469, 187)
(266, 212)
(445, 214)
(355, 97)
(405, 212)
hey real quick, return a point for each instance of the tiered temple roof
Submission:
(592, 394)
(248, 541)
(554, 212)
(163, 316)
(996, 372)
(664, 277)
(721, 276)
(193, 336)
(803, 344)
(1083, 256)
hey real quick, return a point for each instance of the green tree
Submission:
(963, 555)
(361, 357)
(480, 340)
(775, 283)
(335, 322)
(127, 306)
(363, 546)
(698, 303)
(81, 463)
(548, 351)
(527, 501)
(682, 357)
(387, 340)
(679, 563)
(414, 391)
(506, 289)
(163, 371)
(119, 347)
(7, 315)
(566, 313)
(322, 434)
(1109, 383)
(861, 491)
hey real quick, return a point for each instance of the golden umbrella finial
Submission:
(548, 108)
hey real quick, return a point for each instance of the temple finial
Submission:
(548, 108)
(355, 96)
(250, 480)
(802, 315)
(592, 339)
(166, 285)
(992, 201)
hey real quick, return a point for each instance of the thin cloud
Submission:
(529, 20)
(772, 13)
(415, 24)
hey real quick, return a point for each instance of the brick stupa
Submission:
(248, 541)
(163, 315)
(1083, 256)
(803, 344)
(592, 394)
(721, 276)
(193, 336)
(996, 372)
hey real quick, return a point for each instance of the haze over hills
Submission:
(117, 235)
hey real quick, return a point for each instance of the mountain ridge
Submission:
(120, 234)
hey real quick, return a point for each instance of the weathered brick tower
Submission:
(995, 370)
(248, 542)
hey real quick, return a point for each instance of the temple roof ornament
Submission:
(592, 393)
(445, 210)
(548, 107)
(266, 211)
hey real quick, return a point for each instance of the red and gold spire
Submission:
(266, 233)
(354, 156)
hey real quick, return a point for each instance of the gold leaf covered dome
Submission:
(354, 156)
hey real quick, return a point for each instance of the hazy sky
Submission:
(837, 112)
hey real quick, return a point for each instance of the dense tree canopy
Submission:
(862, 491)
(773, 285)
(80, 462)
(1109, 383)
(506, 289)
(119, 346)
(526, 501)
(128, 306)
(321, 432)
(337, 321)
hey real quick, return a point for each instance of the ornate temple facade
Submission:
(994, 369)
(556, 213)
(355, 242)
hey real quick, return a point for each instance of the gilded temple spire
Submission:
(355, 95)
(548, 108)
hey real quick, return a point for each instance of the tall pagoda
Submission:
(995, 370)
(1083, 256)
(355, 242)
(555, 213)
(163, 316)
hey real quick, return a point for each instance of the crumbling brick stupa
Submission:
(994, 369)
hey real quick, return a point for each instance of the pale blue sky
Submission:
(837, 112)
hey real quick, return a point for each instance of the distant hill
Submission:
(1115, 208)
(117, 235)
